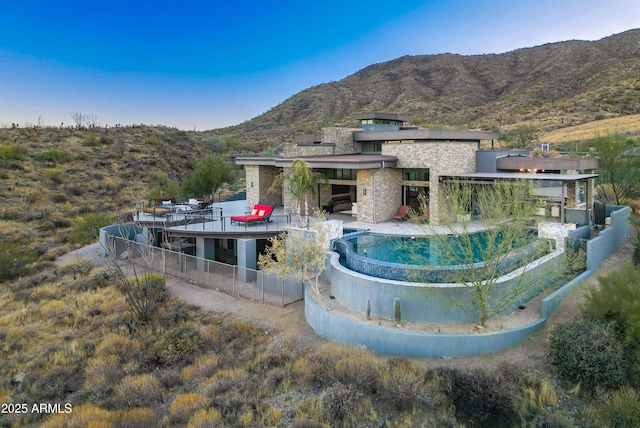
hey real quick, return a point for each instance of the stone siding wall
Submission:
(295, 151)
(342, 138)
(441, 158)
(261, 177)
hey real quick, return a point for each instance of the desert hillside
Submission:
(550, 86)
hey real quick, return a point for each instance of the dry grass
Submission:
(587, 131)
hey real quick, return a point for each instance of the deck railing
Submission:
(234, 280)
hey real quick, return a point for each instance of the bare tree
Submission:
(506, 213)
(299, 252)
(88, 120)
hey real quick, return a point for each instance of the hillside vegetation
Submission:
(51, 176)
(68, 335)
(550, 86)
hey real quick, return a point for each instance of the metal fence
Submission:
(237, 281)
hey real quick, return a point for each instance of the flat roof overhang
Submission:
(178, 232)
(491, 177)
(423, 134)
(562, 164)
(382, 116)
(349, 161)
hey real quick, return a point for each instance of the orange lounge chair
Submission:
(403, 212)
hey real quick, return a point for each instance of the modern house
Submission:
(382, 165)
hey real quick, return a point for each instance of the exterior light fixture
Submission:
(364, 192)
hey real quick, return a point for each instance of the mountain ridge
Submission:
(552, 85)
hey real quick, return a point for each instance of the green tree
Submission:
(506, 213)
(522, 136)
(618, 179)
(85, 229)
(207, 176)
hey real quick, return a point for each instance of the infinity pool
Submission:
(409, 258)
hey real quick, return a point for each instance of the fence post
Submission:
(208, 274)
(262, 287)
(282, 288)
(233, 285)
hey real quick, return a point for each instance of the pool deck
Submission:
(220, 222)
(409, 228)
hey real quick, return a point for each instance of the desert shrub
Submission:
(55, 384)
(552, 420)
(143, 294)
(103, 275)
(86, 228)
(488, 396)
(91, 140)
(587, 351)
(138, 391)
(12, 152)
(52, 154)
(621, 409)
(123, 348)
(56, 175)
(339, 400)
(12, 213)
(203, 367)
(403, 384)
(83, 415)
(617, 300)
(538, 395)
(80, 267)
(205, 419)
(185, 405)
(59, 198)
(54, 310)
(141, 417)
(101, 373)
(176, 344)
(15, 259)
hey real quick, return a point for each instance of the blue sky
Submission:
(210, 64)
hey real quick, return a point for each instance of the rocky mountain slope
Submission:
(551, 86)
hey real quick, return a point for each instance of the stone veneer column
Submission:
(258, 181)
(364, 185)
(252, 175)
(572, 194)
(387, 183)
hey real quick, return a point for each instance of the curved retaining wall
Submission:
(422, 302)
(128, 231)
(421, 345)
(397, 342)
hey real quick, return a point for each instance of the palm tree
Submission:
(301, 182)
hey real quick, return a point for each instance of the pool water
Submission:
(423, 251)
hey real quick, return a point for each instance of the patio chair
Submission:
(261, 213)
(403, 212)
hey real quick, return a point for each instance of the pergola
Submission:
(492, 177)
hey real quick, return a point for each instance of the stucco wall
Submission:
(601, 247)
(430, 303)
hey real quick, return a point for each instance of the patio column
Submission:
(247, 260)
(200, 254)
(572, 194)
